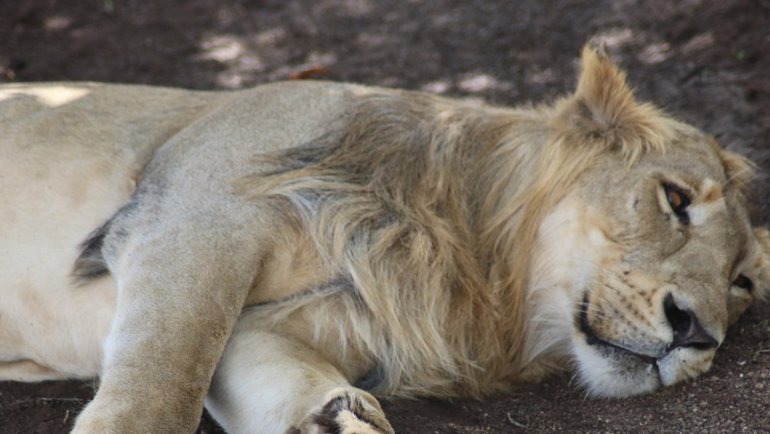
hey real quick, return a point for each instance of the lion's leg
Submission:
(180, 291)
(267, 383)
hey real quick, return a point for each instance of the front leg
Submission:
(180, 290)
(271, 384)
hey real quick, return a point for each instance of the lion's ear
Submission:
(602, 91)
(603, 107)
(738, 169)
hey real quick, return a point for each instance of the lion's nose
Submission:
(687, 329)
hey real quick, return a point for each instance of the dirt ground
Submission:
(705, 61)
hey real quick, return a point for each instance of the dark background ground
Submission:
(705, 61)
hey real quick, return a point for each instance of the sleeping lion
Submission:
(284, 254)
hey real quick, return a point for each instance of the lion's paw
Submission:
(348, 412)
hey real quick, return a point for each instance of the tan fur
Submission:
(291, 240)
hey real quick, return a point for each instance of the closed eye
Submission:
(678, 200)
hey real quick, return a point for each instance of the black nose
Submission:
(687, 330)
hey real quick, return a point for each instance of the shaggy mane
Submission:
(394, 201)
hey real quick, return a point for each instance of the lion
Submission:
(284, 254)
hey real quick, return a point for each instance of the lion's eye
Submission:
(678, 201)
(743, 282)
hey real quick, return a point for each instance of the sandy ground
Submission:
(707, 62)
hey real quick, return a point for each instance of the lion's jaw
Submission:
(610, 319)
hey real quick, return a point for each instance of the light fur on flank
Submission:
(292, 250)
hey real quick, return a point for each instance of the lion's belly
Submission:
(47, 208)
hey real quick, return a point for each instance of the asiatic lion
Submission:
(287, 252)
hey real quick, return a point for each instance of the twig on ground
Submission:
(514, 423)
(42, 400)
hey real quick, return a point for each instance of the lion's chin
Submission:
(610, 374)
(606, 372)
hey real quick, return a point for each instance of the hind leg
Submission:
(267, 383)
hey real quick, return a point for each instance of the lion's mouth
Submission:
(593, 339)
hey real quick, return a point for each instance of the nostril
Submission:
(679, 320)
(687, 329)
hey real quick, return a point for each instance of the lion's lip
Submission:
(593, 339)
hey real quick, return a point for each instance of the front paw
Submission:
(348, 411)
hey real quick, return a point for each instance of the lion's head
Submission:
(644, 264)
